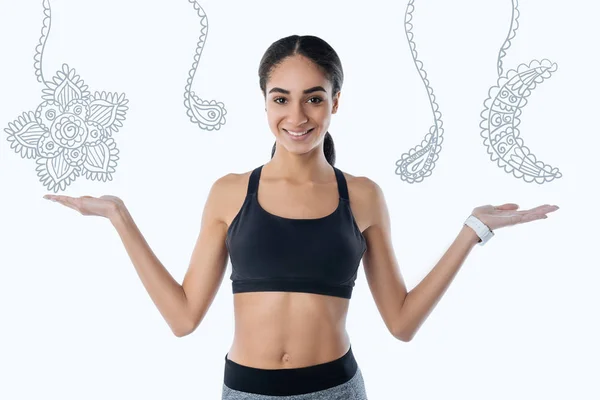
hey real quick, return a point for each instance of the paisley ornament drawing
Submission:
(419, 162)
(70, 132)
(209, 115)
(502, 110)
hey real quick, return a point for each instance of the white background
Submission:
(520, 320)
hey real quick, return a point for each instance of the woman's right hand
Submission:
(103, 206)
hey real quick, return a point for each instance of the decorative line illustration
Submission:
(503, 108)
(419, 162)
(39, 49)
(70, 132)
(208, 115)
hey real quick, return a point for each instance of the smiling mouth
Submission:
(299, 134)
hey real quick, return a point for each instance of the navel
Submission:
(286, 358)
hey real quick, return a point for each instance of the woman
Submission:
(296, 245)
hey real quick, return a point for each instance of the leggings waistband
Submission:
(290, 381)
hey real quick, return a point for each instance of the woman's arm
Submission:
(404, 312)
(165, 292)
(422, 299)
(182, 306)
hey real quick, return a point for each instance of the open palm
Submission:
(505, 215)
(104, 206)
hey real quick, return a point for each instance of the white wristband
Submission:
(481, 229)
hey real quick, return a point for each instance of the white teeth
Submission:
(297, 133)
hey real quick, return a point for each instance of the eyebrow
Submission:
(311, 90)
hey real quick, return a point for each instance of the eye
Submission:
(312, 98)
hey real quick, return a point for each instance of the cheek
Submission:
(276, 120)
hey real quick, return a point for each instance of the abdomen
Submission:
(275, 330)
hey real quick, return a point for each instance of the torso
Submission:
(276, 330)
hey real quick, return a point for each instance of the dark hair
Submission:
(316, 50)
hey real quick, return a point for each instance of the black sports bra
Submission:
(273, 253)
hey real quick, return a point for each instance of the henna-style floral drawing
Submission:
(419, 162)
(209, 115)
(502, 110)
(70, 132)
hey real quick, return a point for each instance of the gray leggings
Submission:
(340, 379)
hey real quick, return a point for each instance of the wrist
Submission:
(469, 235)
(118, 215)
(481, 230)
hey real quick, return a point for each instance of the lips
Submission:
(292, 132)
(299, 138)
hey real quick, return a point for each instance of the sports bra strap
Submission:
(253, 181)
(339, 176)
(341, 182)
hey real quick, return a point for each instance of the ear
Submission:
(336, 102)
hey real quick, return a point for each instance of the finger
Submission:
(68, 204)
(546, 208)
(68, 201)
(59, 197)
(52, 197)
(550, 209)
(534, 217)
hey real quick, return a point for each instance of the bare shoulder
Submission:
(364, 186)
(228, 181)
(230, 191)
(365, 195)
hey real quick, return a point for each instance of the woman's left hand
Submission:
(505, 215)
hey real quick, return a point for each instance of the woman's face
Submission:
(298, 98)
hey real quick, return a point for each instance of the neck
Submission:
(308, 167)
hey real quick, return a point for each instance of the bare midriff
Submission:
(276, 330)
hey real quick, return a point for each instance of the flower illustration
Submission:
(70, 132)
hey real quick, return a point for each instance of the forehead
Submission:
(296, 74)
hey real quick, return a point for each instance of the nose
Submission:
(297, 116)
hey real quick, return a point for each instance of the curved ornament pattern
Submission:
(39, 49)
(512, 31)
(70, 132)
(419, 162)
(209, 115)
(501, 115)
